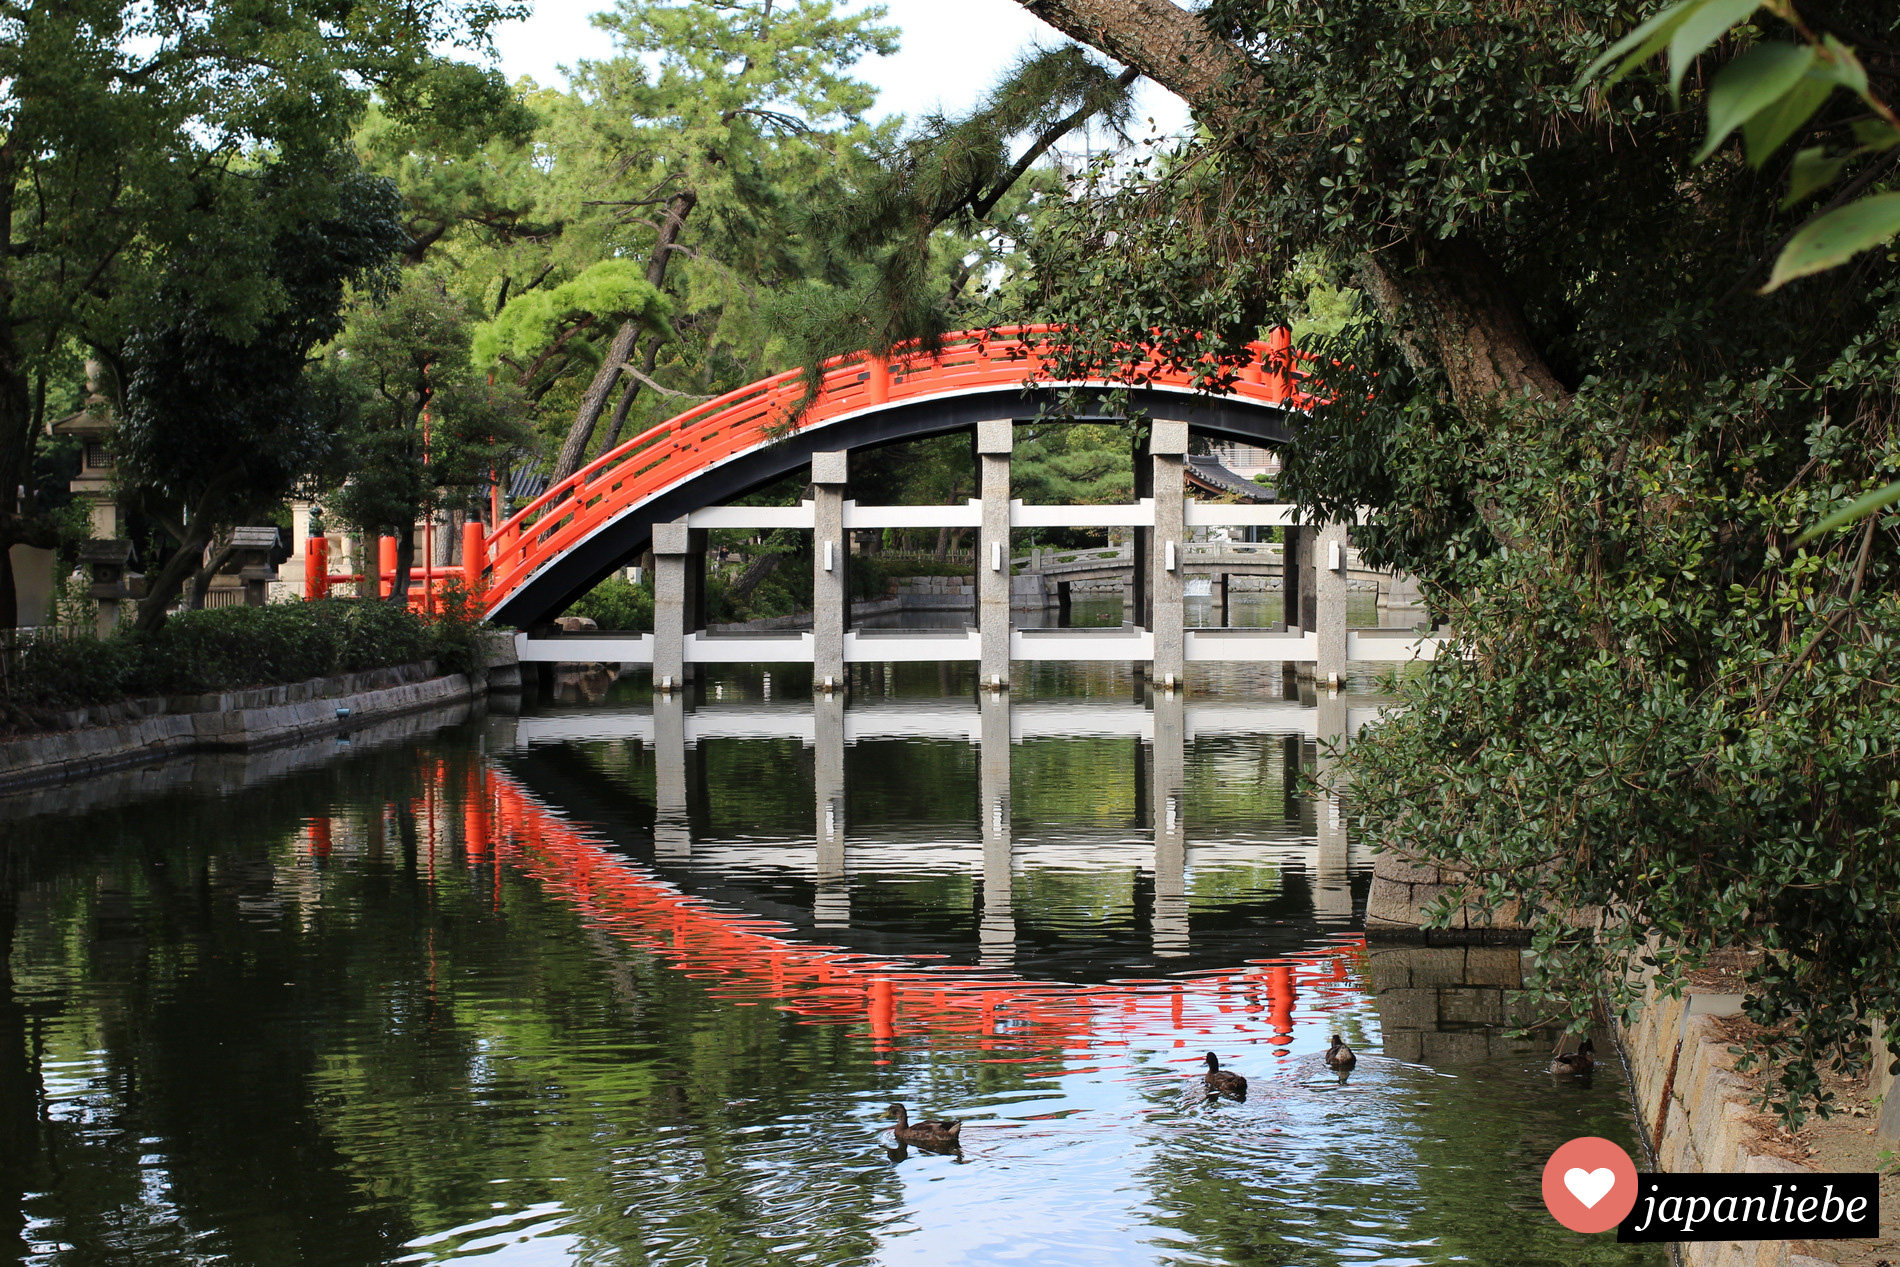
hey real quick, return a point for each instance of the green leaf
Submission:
(1750, 84)
(1701, 28)
(1845, 69)
(1641, 44)
(1879, 499)
(1837, 237)
(1813, 169)
(1876, 135)
(1768, 130)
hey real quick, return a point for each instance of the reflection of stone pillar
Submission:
(1332, 894)
(993, 441)
(997, 933)
(831, 564)
(1168, 442)
(1169, 782)
(831, 908)
(672, 832)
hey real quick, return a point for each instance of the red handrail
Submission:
(679, 448)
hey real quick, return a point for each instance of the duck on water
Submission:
(942, 1133)
(1339, 1057)
(1580, 1061)
(1221, 1081)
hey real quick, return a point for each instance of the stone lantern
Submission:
(92, 427)
(113, 580)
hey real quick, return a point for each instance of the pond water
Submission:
(622, 982)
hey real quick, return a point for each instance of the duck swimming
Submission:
(1579, 1061)
(940, 1132)
(1221, 1080)
(1339, 1057)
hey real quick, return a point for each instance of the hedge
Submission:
(226, 649)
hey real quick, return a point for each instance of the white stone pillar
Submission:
(678, 554)
(1167, 444)
(1170, 923)
(997, 931)
(994, 440)
(831, 906)
(1329, 603)
(831, 564)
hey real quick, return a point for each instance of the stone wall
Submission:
(1694, 1111)
(137, 732)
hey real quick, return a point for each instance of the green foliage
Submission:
(1771, 92)
(137, 140)
(617, 603)
(610, 291)
(228, 648)
(1667, 711)
(428, 429)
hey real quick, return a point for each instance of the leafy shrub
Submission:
(617, 603)
(231, 648)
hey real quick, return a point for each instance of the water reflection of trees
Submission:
(289, 1058)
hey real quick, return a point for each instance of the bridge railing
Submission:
(573, 508)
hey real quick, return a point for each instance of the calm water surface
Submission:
(613, 982)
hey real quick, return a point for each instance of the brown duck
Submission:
(1225, 1081)
(1339, 1057)
(1579, 1061)
(940, 1132)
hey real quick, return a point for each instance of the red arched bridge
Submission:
(565, 541)
(664, 489)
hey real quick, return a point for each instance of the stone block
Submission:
(1408, 1009)
(1468, 1006)
(1456, 1047)
(1168, 438)
(1501, 966)
(674, 537)
(827, 468)
(1404, 1044)
(1438, 965)
(995, 436)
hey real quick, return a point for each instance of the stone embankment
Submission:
(140, 731)
(1441, 990)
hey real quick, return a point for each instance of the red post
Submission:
(1279, 363)
(386, 564)
(474, 556)
(316, 567)
(877, 388)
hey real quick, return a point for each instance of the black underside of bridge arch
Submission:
(620, 543)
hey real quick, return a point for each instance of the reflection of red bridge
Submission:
(752, 960)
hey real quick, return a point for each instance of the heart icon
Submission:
(1589, 1186)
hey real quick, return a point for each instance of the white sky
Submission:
(952, 50)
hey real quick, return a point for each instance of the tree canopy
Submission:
(1588, 433)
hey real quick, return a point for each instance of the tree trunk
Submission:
(161, 589)
(943, 544)
(574, 449)
(1448, 300)
(757, 570)
(1451, 305)
(405, 560)
(201, 579)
